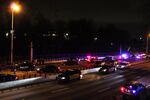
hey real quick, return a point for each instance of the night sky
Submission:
(115, 11)
(125, 14)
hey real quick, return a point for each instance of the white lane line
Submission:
(55, 91)
(105, 89)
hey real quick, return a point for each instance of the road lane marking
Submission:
(63, 89)
(105, 89)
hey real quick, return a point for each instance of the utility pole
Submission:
(31, 51)
(147, 42)
(15, 7)
(120, 49)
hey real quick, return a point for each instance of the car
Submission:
(133, 90)
(11, 77)
(109, 62)
(69, 75)
(49, 69)
(97, 63)
(7, 77)
(107, 69)
(123, 65)
(2, 77)
(26, 66)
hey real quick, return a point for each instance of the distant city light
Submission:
(25, 34)
(53, 34)
(95, 38)
(7, 34)
(66, 34)
(111, 43)
(140, 38)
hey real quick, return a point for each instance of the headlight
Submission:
(38, 69)
(81, 76)
(104, 70)
(122, 66)
(63, 78)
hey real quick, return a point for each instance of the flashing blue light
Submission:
(133, 91)
(138, 57)
(124, 56)
(130, 87)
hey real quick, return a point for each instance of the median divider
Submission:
(87, 71)
(5, 86)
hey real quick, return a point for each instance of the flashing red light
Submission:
(88, 60)
(122, 89)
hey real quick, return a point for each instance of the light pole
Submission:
(147, 42)
(15, 7)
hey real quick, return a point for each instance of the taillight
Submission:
(59, 68)
(17, 78)
(122, 89)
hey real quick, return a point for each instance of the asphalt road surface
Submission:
(94, 86)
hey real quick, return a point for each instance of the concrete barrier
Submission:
(8, 85)
(87, 71)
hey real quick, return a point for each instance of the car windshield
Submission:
(66, 72)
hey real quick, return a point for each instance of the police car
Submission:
(133, 90)
(69, 75)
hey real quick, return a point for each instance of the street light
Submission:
(147, 42)
(15, 8)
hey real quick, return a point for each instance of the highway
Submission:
(94, 86)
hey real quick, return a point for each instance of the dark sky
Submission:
(124, 13)
(116, 11)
